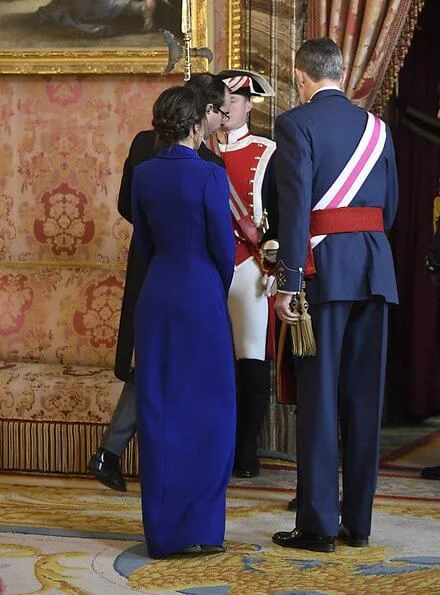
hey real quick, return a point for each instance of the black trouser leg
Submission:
(123, 423)
(254, 384)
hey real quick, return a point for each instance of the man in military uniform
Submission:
(338, 195)
(250, 167)
(105, 462)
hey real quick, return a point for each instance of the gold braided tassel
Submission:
(303, 339)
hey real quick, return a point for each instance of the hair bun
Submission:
(168, 131)
(176, 111)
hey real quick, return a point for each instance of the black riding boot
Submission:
(253, 395)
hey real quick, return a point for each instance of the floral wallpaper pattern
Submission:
(63, 245)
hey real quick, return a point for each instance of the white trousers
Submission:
(248, 310)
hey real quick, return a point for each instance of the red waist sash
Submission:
(342, 220)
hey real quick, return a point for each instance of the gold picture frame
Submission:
(235, 34)
(99, 57)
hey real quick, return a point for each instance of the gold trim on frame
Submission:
(91, 61)
(234, 34)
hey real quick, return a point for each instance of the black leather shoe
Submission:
(430, 473)
(246, 472)
(104, 465)
(352, 538)
(304, 541)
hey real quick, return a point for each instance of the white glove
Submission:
(270, 285)
(269, 250)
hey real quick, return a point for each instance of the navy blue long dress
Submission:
(183, 349)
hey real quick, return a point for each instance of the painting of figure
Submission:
(110, 18)
(67, 30)
(37, 23)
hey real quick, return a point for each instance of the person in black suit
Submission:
(105, 462)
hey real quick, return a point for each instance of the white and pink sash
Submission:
(344, 189)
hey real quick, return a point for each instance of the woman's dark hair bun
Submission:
(176, 111)
(167, 130)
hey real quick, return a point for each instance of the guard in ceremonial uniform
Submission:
(340, 190)
(250, 167)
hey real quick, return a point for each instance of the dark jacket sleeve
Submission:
(392, 195)
(270, 201)
(208, 155)
(294, 178)
(142, 148)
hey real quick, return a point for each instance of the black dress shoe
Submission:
(104, 465)
(246, 472)
(352, 538)
(304, 541)
(430, 473)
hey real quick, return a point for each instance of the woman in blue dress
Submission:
(183, 347)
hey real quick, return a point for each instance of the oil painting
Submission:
(95, 36)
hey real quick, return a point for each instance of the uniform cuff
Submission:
(289, 280)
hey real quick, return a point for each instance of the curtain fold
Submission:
(374, 36)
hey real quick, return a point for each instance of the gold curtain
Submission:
(374, 36)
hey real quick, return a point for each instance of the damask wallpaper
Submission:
(63, 246)
(63, 250)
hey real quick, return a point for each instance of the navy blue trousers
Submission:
(342, 385)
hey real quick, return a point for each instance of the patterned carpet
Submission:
(423, 452)
(69, 535)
